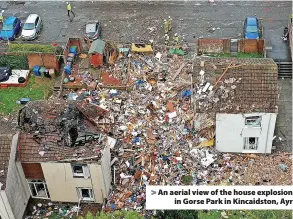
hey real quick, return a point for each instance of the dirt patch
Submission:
(40, 82)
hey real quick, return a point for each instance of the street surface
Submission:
(128, 22)
(134, 21)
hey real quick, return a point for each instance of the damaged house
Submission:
(14, 192)
(64, 155)
(244, 95)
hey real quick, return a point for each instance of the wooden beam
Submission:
(225, 71)
(178, 71)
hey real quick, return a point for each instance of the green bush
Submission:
(14, 62)
(174, 214)
(114, 215)
(30, 48)
(187, 180)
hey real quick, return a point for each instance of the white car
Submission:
(32, 27)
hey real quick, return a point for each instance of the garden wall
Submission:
(251, 46)
(43, 59)
(72, 42)
(218, 46)
(210, 45)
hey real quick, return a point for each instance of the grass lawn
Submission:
(248, 214)
(37, 89)
(239, 55)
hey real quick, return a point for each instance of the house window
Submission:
(80, 171)
(38, 189)
(85, 194)
(250, 143)
(253, 121)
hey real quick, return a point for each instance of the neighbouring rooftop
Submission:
(5, 148)
(249, 85)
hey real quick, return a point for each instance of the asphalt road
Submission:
(135, 21)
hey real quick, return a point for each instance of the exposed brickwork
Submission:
(47, 60)
(207, 45)
(215, 46)
(251, 46)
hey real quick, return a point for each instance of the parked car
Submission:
(93, 30)
(251, 28)
(10, 29)
(32, 27)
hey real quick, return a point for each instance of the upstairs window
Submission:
(253, 121)
(80, 171)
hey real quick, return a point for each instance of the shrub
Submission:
(30, 48)
(14, 62)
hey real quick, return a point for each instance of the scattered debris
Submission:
(162, 110)
(165, 123)
(283, 167)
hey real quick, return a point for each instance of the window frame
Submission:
(37, 21)
(91, 192)
(253, 118)
(32, 182)
(85, 171)
(15, 23)
(246, 145)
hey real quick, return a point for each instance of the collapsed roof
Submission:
(57, 130)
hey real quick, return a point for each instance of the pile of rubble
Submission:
(47, 210)
(44, 209)
(163, 115)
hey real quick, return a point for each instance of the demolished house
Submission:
(176, 110)
(64, 156)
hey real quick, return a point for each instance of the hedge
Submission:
(14, 62)
(30, 48)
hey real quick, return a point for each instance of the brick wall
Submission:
(251, 46)
(215, 46)
(42, 59)
(210, 45)
(72, 42)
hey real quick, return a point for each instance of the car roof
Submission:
(10, 20)
(90, 27)
(251, 21)
(31, 18)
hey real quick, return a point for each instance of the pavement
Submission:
(126, 22)
(283, 130)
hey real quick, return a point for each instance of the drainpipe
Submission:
(79, 200)
(3, 200)
(268, 134)
(114, 175)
